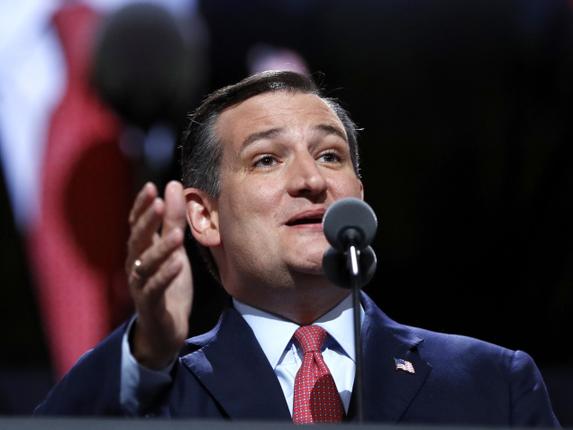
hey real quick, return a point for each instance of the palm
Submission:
(161, 282)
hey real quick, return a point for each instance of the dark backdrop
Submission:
(466, 149)
(466, 153)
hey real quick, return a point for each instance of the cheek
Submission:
(350, 185)
(259, 195)
(249, 206)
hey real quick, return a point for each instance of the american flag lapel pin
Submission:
(404, 365)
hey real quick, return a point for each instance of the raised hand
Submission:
(159, 275)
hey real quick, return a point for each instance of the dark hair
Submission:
(201, 149)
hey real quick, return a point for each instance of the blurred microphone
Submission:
(143, 66)
(349, 225)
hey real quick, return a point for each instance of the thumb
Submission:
(174, 208)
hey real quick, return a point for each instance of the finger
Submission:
(174, 208)
(134, 279)
(162, 278)
(152, 259)
(143, 199)
(144, 232)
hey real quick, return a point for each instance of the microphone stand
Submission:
(349, 225)
(352, 261)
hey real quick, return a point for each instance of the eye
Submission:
(265, 161)
(330, 157)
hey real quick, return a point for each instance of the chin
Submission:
(306, 257)
(308, 267)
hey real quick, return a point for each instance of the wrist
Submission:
(147, 353)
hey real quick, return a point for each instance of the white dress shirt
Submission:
(274, 334)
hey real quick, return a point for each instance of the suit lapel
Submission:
(234, 369)
(388, 391)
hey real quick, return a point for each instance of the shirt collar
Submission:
(274, 333)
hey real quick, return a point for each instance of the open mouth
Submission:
(305, 221)
(309, 218)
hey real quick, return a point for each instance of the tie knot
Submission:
(310, 338)
(76, 24)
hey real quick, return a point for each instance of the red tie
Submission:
(78, 243)
(316, 399)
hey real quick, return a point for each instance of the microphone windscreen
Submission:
(335, 267)
(349, 219)
(141, 65)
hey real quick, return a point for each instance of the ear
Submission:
(361, 189)
(203, 217)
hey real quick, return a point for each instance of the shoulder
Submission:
(491, 371)
(468, 357)
(463, 349)
(465, 353)
(488, 379)
(435, 347)
(453, 359)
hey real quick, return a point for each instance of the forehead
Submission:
(279, 109)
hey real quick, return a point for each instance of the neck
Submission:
(302, 302)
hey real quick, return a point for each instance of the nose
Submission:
(305, 177)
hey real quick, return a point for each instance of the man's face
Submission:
(285, 160)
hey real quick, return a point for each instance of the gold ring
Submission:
(136, 266)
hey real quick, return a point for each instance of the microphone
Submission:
(350, 225)
(350, 221)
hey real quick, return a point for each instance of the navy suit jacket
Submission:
(225, 374)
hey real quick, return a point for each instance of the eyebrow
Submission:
(259, 135)
(273, 132)
(331, 129)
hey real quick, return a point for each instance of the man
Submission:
(262, 160)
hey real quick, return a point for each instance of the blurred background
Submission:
(466, 146)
